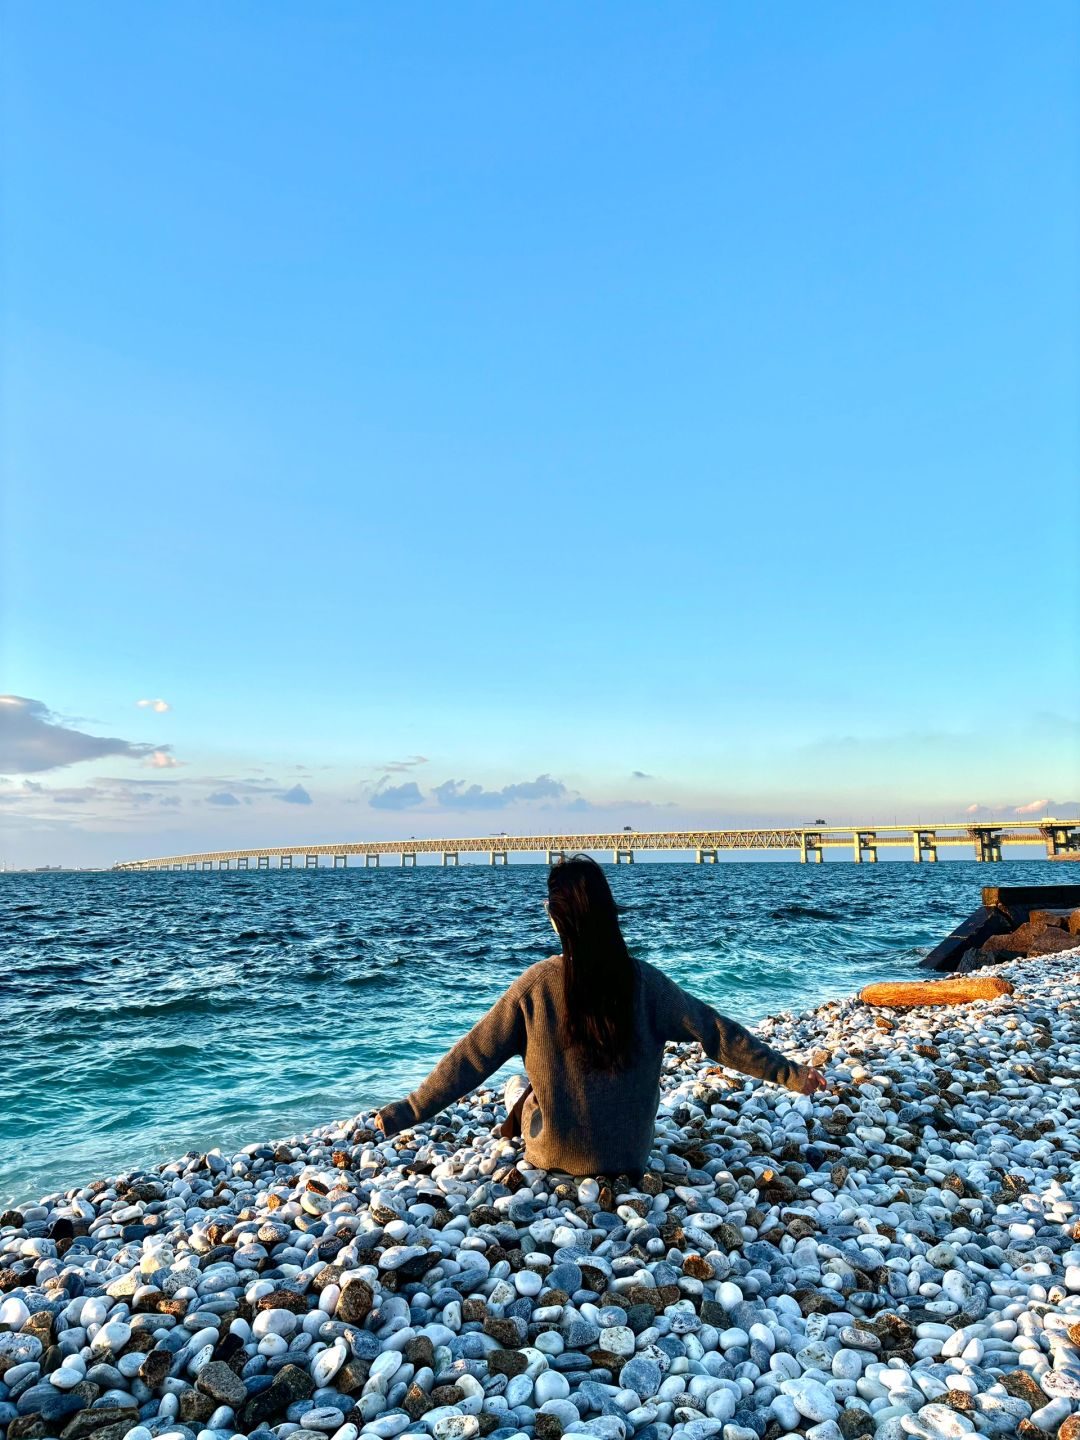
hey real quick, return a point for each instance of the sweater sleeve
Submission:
(494, 1039)
(680, 1016)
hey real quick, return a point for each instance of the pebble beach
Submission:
(899, 1256)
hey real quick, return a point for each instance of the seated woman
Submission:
(591, 1025)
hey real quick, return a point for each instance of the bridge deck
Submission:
(1055, 835)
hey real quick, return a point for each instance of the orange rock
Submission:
(958, 991)
(1052, 941)
(1015, 943)
(1059, 919)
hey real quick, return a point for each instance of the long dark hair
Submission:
(599, 973)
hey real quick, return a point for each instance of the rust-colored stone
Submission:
(447, 1395)
(698, 1268)
(959, 1400)
(416, 1402)
(504, 1331)
(284, 1300)
(1020, 1385)
(355, 1302)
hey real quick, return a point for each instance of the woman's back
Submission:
(578, 1118)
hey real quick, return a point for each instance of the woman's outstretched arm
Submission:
(681, 1016)
(493, 1040)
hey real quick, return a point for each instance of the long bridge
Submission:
(1058, 838)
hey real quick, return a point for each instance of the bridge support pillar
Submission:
(408, 857)
(311, 862)
(208, 864)
(242, 862)
(555, 855)
(342, 861)
(923, 846)
(810, 850)
(987, 845)
(284, 862)
(262, 862)
(450, 857)
(371, 860)
(1061, 839)
(623, 855)
(706, 857)
(498, 857)
(865, 840)
(223, 864)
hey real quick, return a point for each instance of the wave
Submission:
(805, 912)
(186, 1005)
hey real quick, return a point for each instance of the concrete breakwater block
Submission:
(904, 993)
(1012, 921)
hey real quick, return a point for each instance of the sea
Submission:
(145, 1015)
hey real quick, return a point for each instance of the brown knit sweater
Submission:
(577, 1120)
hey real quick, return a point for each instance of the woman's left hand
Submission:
(812, 1081)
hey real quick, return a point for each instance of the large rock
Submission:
(155, 1368)
(355, 1302)
(284, 1300)
(1045, 932)
(115, 1431)
(1057, 918)
(87, 1421)
(195, 1408)
(905, 993)
(1052, 941)
(507, 1362)
(1005, 946)
(416, 1402)
(49, 1402)
(40, 1325)
(291, 1383)
(28, 1427)
(222, 1384)
(18, 1349)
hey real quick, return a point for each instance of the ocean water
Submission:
(144, 1015)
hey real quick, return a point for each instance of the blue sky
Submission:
(608, 414)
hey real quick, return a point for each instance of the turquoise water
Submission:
(143, 1015)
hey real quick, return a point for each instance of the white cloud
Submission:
(1033, 807)
(162, 760)
(158, 706)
